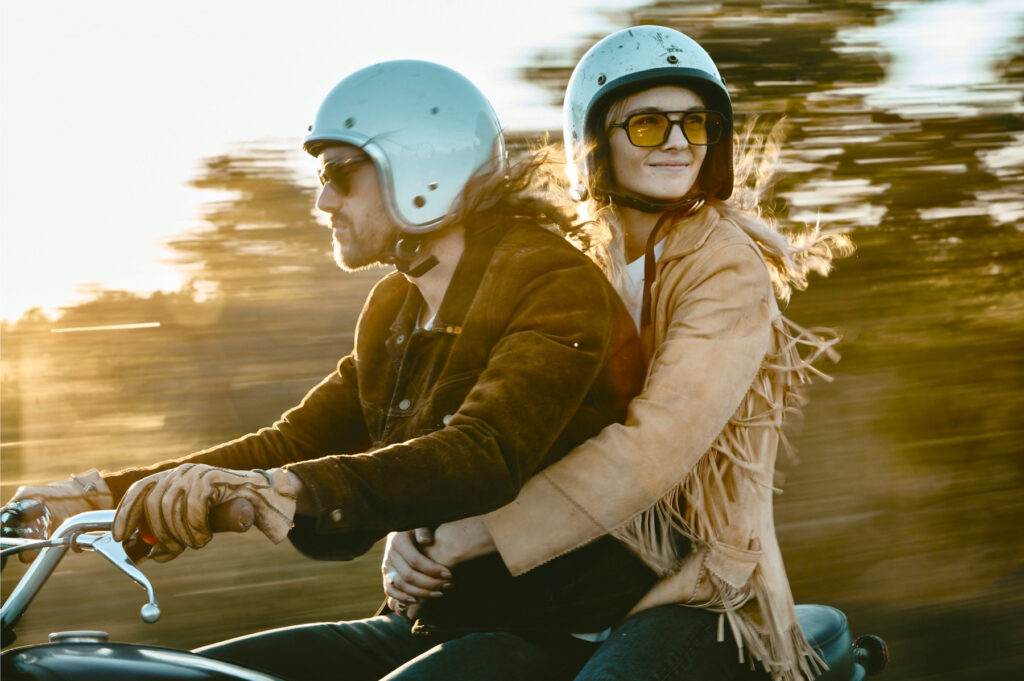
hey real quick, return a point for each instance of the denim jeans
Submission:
(385, 648)
(666, 643)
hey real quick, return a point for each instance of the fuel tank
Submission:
(87, 657)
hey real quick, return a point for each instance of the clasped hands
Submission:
(417, 563)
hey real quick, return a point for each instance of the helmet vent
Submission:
(673, 59)
(432, 186)
(434, 111)
(601, 79)
(419, 201)
(350, 122)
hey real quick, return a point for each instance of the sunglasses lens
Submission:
(339, 175)
(695, 128)
(712, 125)
(647, 130)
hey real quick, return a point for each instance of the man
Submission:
(494, 350)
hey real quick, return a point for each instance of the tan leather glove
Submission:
(176, 503)
(85, 492)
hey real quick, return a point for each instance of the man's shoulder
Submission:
(535, 248)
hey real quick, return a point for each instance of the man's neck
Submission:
(447, 247)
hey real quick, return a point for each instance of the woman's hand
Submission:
(460, 540)
(409, 574)
(416, 564)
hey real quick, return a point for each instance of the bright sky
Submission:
(107, 107)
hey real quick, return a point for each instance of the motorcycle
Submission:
(91, 656)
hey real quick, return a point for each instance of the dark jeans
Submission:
(666, 643)
(384, 648)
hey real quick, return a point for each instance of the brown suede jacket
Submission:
(530, 354)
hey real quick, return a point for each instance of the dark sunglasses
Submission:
(339, 173)
(652, 128)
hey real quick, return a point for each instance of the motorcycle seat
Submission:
(825, 628)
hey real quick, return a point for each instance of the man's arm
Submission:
(328, 419)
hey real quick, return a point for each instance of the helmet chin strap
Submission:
(406, 249)
(648, 204)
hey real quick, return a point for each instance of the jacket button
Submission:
(404, 404)
(336, 515)
(446, 419)
(400, 339)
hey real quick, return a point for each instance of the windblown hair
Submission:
(791, 254)
(527, 189)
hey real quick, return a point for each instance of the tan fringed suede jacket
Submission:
(696, 453)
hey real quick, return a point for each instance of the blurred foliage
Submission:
(905, 509)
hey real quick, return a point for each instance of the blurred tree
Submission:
(259, 240)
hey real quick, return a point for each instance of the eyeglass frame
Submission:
(671, 124)
(332, 168)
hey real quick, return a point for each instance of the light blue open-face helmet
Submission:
(426, 128)
(627, 62)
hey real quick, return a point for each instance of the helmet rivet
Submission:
(309, 129)
(434, 110)
(432, 186)
(673, 59)
(349, 122)
(601, 79)
(419, 201)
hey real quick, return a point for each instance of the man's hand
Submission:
(85, 492)
(409, 575)
(175, 505)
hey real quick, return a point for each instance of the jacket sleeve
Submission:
(328, 419)
(556, 341)
(717, 336)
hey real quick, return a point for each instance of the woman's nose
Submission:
(676, 138)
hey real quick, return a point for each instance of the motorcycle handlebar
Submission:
(236, 515)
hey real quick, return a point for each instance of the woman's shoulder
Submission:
(713, 237)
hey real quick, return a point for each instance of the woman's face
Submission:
(665, 172)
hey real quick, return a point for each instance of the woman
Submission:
(686, 482)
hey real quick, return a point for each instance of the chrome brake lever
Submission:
(113, 551)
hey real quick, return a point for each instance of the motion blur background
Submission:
(904, 127)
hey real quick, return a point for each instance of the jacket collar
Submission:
(687, 235)
(450, 318)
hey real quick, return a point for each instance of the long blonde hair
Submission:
(792, 254)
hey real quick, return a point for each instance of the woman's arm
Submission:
(718, 334)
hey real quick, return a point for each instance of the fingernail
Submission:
(446, 574)
(446, 586)
(409, 600)
(436, 594)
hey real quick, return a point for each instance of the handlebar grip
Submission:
(236, 515)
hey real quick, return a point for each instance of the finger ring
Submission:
(391, 576)
(401, 608)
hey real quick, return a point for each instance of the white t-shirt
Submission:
(633, 296)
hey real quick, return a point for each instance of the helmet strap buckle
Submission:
(406, 250)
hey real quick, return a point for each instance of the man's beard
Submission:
(363, 262)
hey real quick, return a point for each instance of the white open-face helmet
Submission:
(426, 128)
(627, 62)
